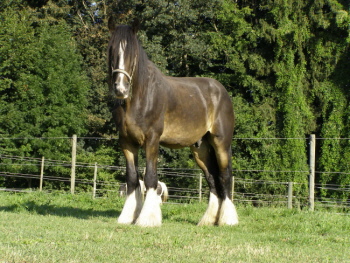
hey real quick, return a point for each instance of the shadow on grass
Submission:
(66, 211)
(45, 209)
(182, 216)
(181, 220)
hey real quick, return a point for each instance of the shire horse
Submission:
(152, 109)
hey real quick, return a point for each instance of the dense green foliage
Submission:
(43, 89)
(40, 227)
(285, 63)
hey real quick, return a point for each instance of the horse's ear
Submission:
(136, 25)
(111, 24)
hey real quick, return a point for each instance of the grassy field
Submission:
(57, 227)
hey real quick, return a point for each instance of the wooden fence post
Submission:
(200, 187)
(74, 155)
(42, 174)
(312, 172)
(290, 195)
(94, 186)
(233, 188)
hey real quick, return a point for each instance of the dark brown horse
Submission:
(153, 109)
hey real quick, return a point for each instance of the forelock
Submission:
(125, 35)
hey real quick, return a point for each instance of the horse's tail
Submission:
(164, 193)
(230, 174)
(142, 189)
(230, 161)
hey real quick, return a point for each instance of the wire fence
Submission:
(100, 182)
(180, 194)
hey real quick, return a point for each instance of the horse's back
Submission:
(192, 86)
(205, 94)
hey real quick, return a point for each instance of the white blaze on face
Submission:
(121, 51)
(121, 65)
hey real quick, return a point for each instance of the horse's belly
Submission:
(175, 136)
(176, 143)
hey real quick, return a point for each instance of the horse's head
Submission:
(122, 59)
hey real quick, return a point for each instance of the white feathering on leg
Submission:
(210, 216)
(150, 215)
(132, 207)
(228, 214)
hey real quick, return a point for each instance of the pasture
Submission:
(59, 227)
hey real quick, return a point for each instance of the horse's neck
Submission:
(147, 89)
(142, 84)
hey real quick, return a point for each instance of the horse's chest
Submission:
(133, 131)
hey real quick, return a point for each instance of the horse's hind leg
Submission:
(205, 157)
(133, 202)
(222, 146)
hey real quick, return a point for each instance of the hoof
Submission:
(151, 215)
(228, 214)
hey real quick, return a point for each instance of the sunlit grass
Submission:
(64, 228)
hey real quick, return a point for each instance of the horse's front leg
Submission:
(151, 214)
(133, 202)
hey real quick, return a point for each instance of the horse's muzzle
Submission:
(121, 90)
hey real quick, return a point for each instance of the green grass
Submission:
(40, 227)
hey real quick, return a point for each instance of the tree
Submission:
(42, 87)
(285, 63)
(281, 57)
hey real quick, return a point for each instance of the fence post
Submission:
(290, 195)
(94, 186)
(74, 155)
(233, 188)
(42, 174)
(312, 172)
(200, 187)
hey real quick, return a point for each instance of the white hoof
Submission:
(228, 214)
(151, 214)
(132, 208)
(210, 216)
(125, 220)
